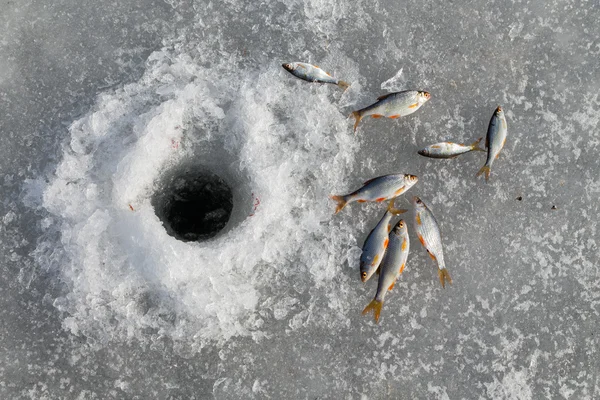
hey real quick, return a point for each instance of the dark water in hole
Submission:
(194, 204)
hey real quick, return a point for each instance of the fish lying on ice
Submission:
(393, 105)
(391, 266)
(375, 245)
(430, 237)
(494, 141)
(449, 149)
(377, 189)
(312, 73)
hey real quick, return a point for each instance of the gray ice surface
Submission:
(520, 321)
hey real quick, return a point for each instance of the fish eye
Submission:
(363, 274)
(401, 224)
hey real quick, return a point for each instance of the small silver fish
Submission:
(494, 141)
(312, 73)
(377, 189)
(393, 105)
(449, 149)
(430, 237)
(391, 266)
(374, 247)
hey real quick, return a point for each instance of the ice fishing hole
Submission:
(193, 203)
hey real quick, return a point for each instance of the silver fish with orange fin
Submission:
(449, 149)
(391, 267)
(494, 141)
(377, 189)
(374, 247)
(430, 237)
(312, 73)
(393, 105)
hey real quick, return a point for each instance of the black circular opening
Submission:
(193, 203)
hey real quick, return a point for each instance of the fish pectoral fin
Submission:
(401, 269)
(376, 306)
(444, 277)
(414, 105)
(391, 286)
(431, 255)
(400, 190)
(376, 115)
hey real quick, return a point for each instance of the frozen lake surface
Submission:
(111, 111)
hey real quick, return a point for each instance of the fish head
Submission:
(364, 273)
(423, 97)
(367, 269)
(400, 228)
(289, 66)
(418, 203)
(499, 112)
(410, 179)
(424, 152)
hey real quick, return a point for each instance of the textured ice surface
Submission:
(98, 301)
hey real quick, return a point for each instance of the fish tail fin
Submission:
(356, 115)
(485, 169)
(444, 277)
(391, 208)
(343, 84)
(376, 306)
(341, 202)
(476, 146)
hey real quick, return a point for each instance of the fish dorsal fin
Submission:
(385, 96)
(369, 181)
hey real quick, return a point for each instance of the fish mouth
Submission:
(412, 178)
(422, 152)
(499, 109)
